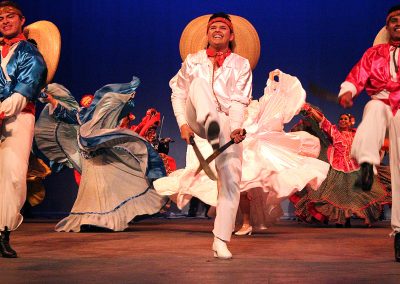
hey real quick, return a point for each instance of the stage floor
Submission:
(179, 251)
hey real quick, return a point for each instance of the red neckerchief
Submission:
(218, 55)
(395, 43)
(7, 43)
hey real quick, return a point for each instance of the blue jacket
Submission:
(27, 71)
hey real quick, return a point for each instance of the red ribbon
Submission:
(395, 43)
(218, 55)
(7, 43)
(220, 19)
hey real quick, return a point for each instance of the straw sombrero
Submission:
(246, 42)
(48, 40)
(382, 36)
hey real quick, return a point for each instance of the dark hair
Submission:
(346, 114)
(394, 8)
(8, 3)
(220, 15)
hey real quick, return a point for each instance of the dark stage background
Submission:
(109, 41)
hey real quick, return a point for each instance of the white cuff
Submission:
(236, 115)
(13, 105)
(181, 120)
(346, 86)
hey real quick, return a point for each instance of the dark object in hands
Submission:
(163, 145)
(203, 164)
(367, 176)
(397, 247)
(217, 152)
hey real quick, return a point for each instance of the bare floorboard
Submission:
(179, 251)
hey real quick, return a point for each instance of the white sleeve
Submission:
(13, 105)
(180, 87)
(241, 97)
(236, 114)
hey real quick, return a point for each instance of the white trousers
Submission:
(369, 138)
(201, 109)
(15, 148)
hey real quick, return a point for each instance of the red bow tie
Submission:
(395, 43)
(218, 55)
(7, 43)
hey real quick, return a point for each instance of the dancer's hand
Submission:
(167, 140)
(186, 133)
(47, 98)
(385, 146)
(346, 100)
(238, 135)
(312, 112)
(306, 108)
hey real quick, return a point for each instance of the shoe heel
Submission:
(215, 254)
(245, 232)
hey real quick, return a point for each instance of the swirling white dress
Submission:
(280, 163)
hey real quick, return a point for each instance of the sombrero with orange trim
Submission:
(382, 36)
(246, 42)
(48, 40)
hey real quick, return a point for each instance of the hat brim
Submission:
(48, 40)
(246, 42)
(382, 36)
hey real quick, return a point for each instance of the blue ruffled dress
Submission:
(117, 166)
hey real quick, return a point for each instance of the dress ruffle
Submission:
(117, 219)
(117, 166)
(277, 162)
(338, 199)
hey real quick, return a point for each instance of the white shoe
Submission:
(244, 230)
(220, 249)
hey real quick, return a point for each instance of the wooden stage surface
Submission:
(179, 251)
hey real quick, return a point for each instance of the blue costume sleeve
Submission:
(31, 77)
(63, 114)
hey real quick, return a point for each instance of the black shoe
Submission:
(397, 247)
(5, 248)
(367, 176)
(213, 134)
(193, 207)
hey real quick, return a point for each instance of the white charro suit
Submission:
(194, 100)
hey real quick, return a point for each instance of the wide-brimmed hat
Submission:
(48, 40)
(382, 36)
(246, 42)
